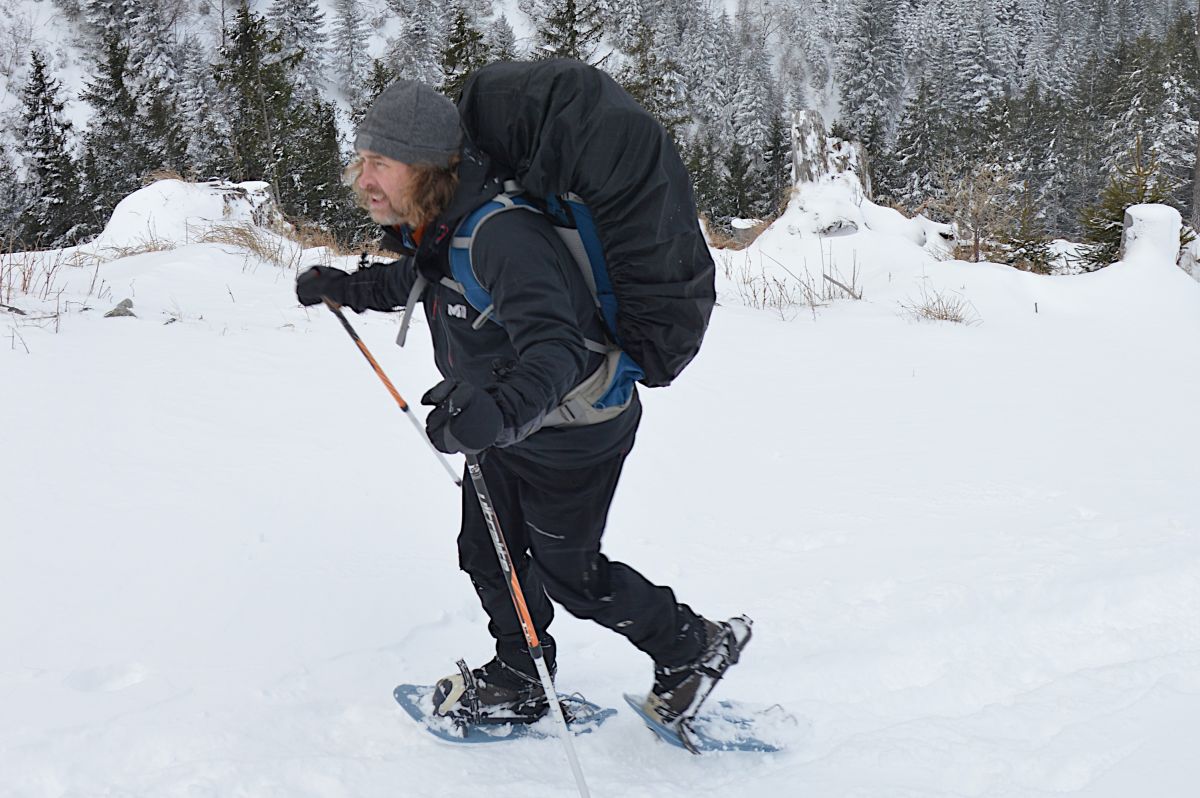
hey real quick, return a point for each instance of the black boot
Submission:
(493, 693)
(679, 691)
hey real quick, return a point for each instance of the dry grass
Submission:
(764, 291)
(935, 305)
(140, 246)
(161, 174)
(721, 238)
(255, 241)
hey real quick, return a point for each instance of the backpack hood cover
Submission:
(564, 127)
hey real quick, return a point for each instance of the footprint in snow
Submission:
(107, 679)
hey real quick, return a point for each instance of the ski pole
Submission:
(518, 599)
(337, 311)
(493, 524)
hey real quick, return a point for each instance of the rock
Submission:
(123, 308)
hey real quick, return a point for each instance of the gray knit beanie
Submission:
(411, 123)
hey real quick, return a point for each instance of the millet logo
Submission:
(457, 311)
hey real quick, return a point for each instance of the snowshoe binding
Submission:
(494, 693)
(679, 692)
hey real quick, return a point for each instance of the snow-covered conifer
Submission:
(113, 160)
(311, 188)
(870, 71)
(923, 141)
(52, 216)
(699, 57)
(627, 19)
(415, 53)
(1173, 123)
(348, 52)
(251, 73)
(570, 29)
(751, 106)
(12, 197)
(652, 77)
(379, 78)
(201, 113)
(501, 41)
(300, 25)
(465, 51)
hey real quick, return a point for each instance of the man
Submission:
(551, 482)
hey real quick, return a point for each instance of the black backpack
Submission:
(562, 127)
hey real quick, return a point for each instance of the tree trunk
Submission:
(1196, 168)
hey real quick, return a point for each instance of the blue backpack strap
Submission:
(577, 228)
(461, 267)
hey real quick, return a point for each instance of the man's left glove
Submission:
(318, 282)
(463, 419)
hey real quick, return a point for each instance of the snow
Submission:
(177, 212)
(1151, 235)
(972, 552)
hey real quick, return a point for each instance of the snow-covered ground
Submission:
(972, 551)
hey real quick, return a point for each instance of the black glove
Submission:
(463, 419)
(318, 282)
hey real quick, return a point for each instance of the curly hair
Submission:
(429, 192)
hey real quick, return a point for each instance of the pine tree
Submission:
(300, 26)
(1031, 142)
(705, 169)
(627, 21)
(257, 96)
(979, 90)
(113, 161)
(205, 128)
(1027, 245)
(110, 17)
(1137, 180)
(702, 69)
(51, 219)
(570, 29)
(312, 188)
(777, 168)
(905, 173)
(12, 198)
(1077, 151)
(652, 77)
(154, 81)
(414, 55)
(501, 41)
(465, 52)
(1173, 122)
(739, 182)
(870, 71)
(348, 52)
(380, 78)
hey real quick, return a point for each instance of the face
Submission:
(383, 183)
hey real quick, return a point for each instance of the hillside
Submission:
(971, 550)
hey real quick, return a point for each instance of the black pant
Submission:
(553, 519)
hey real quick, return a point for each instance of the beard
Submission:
(390, 212)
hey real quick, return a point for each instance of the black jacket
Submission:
(530, 363)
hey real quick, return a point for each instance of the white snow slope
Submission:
(972, 552)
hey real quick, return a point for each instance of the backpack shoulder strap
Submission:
(462, 249)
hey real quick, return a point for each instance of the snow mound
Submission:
(1151, 235)
(837, 206)
(177, 212)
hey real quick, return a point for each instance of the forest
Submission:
(1018, 121)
